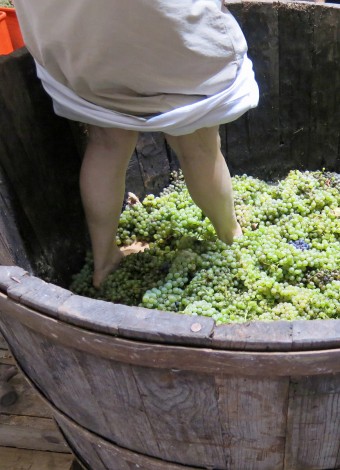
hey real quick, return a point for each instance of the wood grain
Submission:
(100, 454)
(253, 417)
(244, 153)
(12, 249)
(183, 414)
(313, 423)
(135, 322)
(166, 327)
(28, 432)
(29, 402)
(40, 159)
(254, 336)
(324, 137)
(153, 161)
(19, 459)
(18, 320)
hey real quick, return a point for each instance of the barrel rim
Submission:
(154, 326)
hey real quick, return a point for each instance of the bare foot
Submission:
(238, 232)
(232, 235)
(99, 275)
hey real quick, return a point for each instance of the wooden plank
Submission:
(253, 417)
(296, 39)
(36, 164)
(100, 454)
(12, 250)
(3, 344)
(313, 424)
(128, 421)
(34, 292)
(28, 432)
(19, 459)
(183, 413)
(254, 336)
(325, 99)
(15, 318)
(6, 357)
(134, 182)
(136, 322)
(29, 402)
(10, 275)
(259, 22)
(129, 322)
(153, 161)
(315, 334)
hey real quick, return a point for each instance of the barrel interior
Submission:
(132, 388)
(294, 48)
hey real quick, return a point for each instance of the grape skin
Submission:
(286, 266)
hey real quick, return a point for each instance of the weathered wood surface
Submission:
(271, 389)
(19, 459)
(40, 160)
(18, 320)
(12, 249)
(27, 432)
(100, 454)
(28, 424)
(294, 47)
(192, 406)
(165, 327)
(254, 424)
(314, 409)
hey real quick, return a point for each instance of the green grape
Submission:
(286, 266)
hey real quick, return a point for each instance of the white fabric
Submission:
(220, 108)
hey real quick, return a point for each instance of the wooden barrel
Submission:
(136, 388)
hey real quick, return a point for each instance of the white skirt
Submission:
(223, 107)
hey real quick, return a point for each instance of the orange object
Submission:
(13, 27)
(6, 46)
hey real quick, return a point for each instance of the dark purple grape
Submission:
(300, 244)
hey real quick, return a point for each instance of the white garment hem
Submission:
(221, 108)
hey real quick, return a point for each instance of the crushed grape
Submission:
(286, 265)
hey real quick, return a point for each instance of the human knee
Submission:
(203, 142)
(113, 138)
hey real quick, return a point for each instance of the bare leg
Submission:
(208, 179)
(102, 185)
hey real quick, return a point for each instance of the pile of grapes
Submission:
(286, 266)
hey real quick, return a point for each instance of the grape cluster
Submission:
(286, 265)
(300, 244)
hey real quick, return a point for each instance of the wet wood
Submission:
(152, 325)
